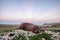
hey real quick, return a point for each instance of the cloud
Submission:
(51, 15)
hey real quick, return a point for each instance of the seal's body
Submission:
(30, 27)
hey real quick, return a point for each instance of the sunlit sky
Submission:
(16, 11)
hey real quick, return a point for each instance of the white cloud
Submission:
(52, 15)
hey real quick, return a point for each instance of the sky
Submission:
(34, 11)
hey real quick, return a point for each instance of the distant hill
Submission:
(6, 25)
(53, 24)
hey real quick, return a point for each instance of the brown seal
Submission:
(30, 27)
